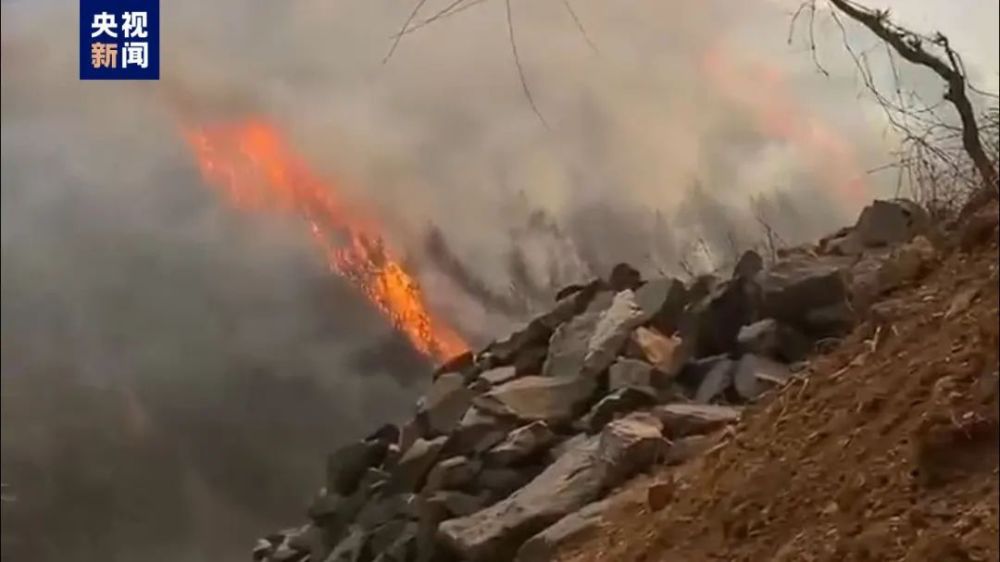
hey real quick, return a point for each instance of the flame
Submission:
(255, 168)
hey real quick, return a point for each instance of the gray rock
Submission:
(415, 463)
(457, 504)
(394, 542)
(686, 448)
(795, 286)
(522, 443)
(479, 431)
(666, 353)
(680, 420)
(539, 398)
(567, 349)
(574, 480)
(346, 466)
(499, 375)
(624, 277)
(661, 302)
(445, 403)
(749, 265)
(351, 548)
(890, 222)
(381, 510)
(310, 539)
(452, 474)
(754, 374)
(633, 373)
(621, 401)
(544, 546)
(611, 333)
(710, 325)
(500, 482)
(715, 382)
(770, 338)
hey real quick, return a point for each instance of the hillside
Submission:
(837, 401)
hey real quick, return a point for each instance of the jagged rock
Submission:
(262, 550)
(794, 287)
(394, 542)
(568, 346)
(500, 482)
(544, 546)
(445, 403)
(478, 431)
(659, 494)
(522, 443)
(624, 277)
(711, 324)
(415, 463)
(770, 338)
(749, 265)
(618, 402)
(979, 227)
(886, 223)
(681, 420)
(457, 504)
(351, 548)
(566, 445)
(754, 374)
(878, 272)
(666, 353)
(686, 448)
(380, 510)
(539, 398)
(452, 474)
(458, 364)
(574, 480)
(499, 375)
(387, 433)
(611, 333)
(310, 539)
(716, 380)
(632, 372)
(346, 466)
(661, 302)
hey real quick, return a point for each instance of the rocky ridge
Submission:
(514, 448)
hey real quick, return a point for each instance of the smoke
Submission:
(173, 371)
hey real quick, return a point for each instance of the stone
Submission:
(754, 374)
(770, 338)
(568, 346)
(716, 381)
(351, 548)
(686, 448)
(500, 482)
(346, 465)
(666, 353)
(387, 433)
(611, 333)
(457, 504)
(452, 474)
(633, 373)
(624, 277)
(661, 302)
(577, 478)
(523, 443)
(394, 542)
(457, 364)
(710, 325)
(381, 510)
(415, 463)
(309, 538)
(793, 287)
(533, 398)
(660, 494)
(621, 401)
(681, 420)
(478, 431)
(885, 223)
(544, 546)
(749, 265)
(445, 403)
(499, 375)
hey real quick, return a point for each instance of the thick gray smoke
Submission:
(173, 369)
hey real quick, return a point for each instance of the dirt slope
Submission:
(886, 450)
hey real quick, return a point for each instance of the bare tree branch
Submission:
(520, 69)
(579, 25)
(402, 30)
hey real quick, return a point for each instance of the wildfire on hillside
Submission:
(257, 170)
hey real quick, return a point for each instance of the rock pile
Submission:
(514, 447)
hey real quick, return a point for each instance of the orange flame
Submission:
(254, 167)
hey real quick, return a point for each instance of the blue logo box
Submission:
(119, 39)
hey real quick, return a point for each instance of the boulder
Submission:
(634, 373)
(749, 265)
(523, 443)
(715, 382)
(755, 374)
(445, 403)
(611, 333)
(577, 478)
(415, 463)
(710, 325)
(885, 223)
(544, 546)
(770, 338)
(394, 542)
(621, 401)
(661, 302)
(792, 288)
(686, 448)
(539, 398)
(452, 474)
(666, 353)
(346, 465)
(458, 364)
(500, 482)
(478, 431)
(499, 375)
(351, 548)
(681, 420)
(381, 510)
(456, 504)
(624, 277)
(568, 346)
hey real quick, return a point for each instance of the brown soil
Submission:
(886, 450)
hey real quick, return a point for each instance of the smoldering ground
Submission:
(173, 369)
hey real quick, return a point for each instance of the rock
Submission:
(749, 265)
(415, 463)
(544, 546)
(499, 375)
(770, 338)
(500, 482)
(387, 433)
(457, 504)
(523, 443)
(445, 403)
(634, 373)
(711, 325)
(478, 431)
(346, 466)
(979, 227)
(716, 381)
(661, 302)
(351, 547)
(885, 223)
(611, 333)
(568, 346)
(681, 420)
(311, 539)
(686, 448)
(577, 478)
(665, 353)
(566, 445)
(381, 510)
(458, 364)
(793, 287)
(618, 402)
(394, 542)
(531, 360)
(452, 474)
(659, 494)
(624, 277)
(754, 374)
(539, 398)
